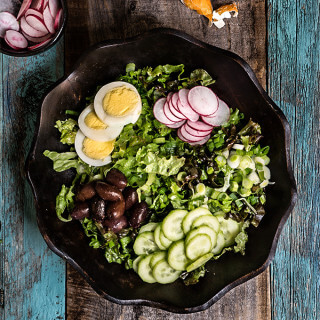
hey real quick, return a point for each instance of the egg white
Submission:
(78, 143)
(108, 134)
(112, 120)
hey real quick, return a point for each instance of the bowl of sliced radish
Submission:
(31, 28)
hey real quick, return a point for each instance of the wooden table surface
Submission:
(280, 40)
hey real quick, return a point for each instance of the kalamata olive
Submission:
(115, 209)
(86, 192)
(108, 192)
(116, 178)
(80, 211)
(98, 207)
(116, 225)
(130, 197)
(139, 213)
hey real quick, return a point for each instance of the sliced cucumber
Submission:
(171, 225)
(230, 229)
(163, 273)
(164, 240)
(144, 269)
(198, 246)
(145, 243)
(203, 230)
(176, 256)
(136, 262)
(157, 239)
(148, 227)
(156, 257)
(191, 216)
(199, 262)
(219, 245)
(208, 220)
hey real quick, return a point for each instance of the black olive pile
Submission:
(110, 202)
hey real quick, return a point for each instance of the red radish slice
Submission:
(183, 96)
(200, 126)
(53, 7)
(175, 112)
(220, 117)
(203, 100)
(31, 32)
(159, 113)
(24, 7)
(187, 111)
(174, 100)
(169, 114)
(39, 45)
(58, 20)
(201, 142)
(196, 133)
(36, 23)
(37, 4)
(181, 137)
(37, 40)
(176, 125)
(7, 22)
(48, 19)
(34, 12)
(187, 136)
(16, 40)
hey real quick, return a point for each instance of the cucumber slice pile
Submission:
(183, 241)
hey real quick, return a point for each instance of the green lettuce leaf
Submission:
(68, 129)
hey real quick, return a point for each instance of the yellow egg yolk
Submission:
(92, 121)
(120, 101)
(97, 149)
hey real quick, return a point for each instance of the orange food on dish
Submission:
(203, 7)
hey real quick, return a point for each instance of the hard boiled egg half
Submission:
(115, 105)
(118, 103)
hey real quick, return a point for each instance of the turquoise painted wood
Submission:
(33, 276)
(293, 82)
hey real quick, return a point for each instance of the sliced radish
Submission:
(183, 96)
(24, 7)
(184, 106)
(34, 12)
(175, 112)
(159, 113)
(16, 40)
(37, 40)
(53, 7)
(181, 137)
(201, 142)
(58, 20)
(31, 32)
(187, 136)
(169, 114)
(36, 23)
(203, 100)
(196, 133)
(174, 100)
(7, 22)
(176, 125)
(220, 117)
(48, 19)
(37, 5)
(200, 126)
(39, 45)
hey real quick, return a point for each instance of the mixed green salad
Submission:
(225, 178)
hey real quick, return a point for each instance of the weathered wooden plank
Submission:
(34, 277)
(92, 21)
(294, 84)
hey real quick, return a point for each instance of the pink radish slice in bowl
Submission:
(24, 7)
(187, 136)
(199, 125)
(196, 133)
(34, 12)
(7, 22)
(37, 4)
(184, 106)
(220, 117)
(35, 39)
(48, 20)
(203, 100)
(16, 40)
(176, 125)
(174, 110)
(39, 45)
(159, 113)
(31, 32)
(53, 7)
(36, 23)
(201, 142)
(58, 20)
(169, 114)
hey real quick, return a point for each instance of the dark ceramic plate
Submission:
(237, 85)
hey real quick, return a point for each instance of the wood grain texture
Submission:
(34, 277)
(294, 83)
(92, 21)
